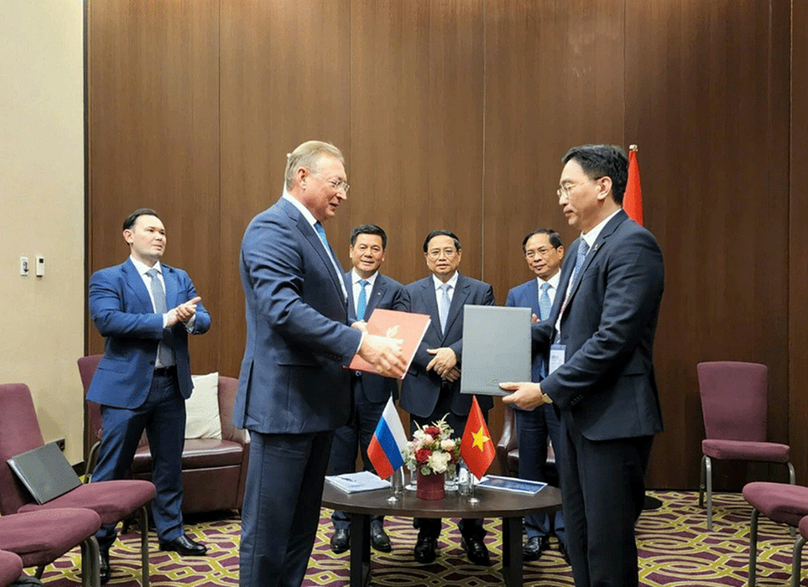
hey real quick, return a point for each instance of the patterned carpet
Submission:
(675, 550)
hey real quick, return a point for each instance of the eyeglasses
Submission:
(436, 253)
(564, 190)
(542, 252)
(337, 184)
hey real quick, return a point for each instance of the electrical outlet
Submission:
(60, 442)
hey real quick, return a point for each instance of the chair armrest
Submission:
(228, 387)
(507, 441)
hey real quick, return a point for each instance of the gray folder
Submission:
(45, 472)
(496, 348)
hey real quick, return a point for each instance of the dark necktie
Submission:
(362, 302)
(165, 354)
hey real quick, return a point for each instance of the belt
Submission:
(165, 371)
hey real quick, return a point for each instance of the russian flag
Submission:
(388, 443)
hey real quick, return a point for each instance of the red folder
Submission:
(408, 329)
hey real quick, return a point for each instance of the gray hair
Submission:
(308, 155)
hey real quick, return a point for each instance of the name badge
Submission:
(557, 355)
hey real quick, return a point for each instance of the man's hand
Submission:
(384, 354)
(534, 318)
(452, 375)
(526, 395)
(360, 325)
(443, 362)
(183, 312)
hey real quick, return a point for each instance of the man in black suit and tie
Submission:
(367, 289)
(601, 375)
(431, 389)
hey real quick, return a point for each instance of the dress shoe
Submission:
(424, 550)
(185, 546)
(562, 548)
(340, 540)
(476, 550)
(103, 570)
(534, 547)
(379, 539)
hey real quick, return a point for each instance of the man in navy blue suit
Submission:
(600, 339)
(431, 389)
(367, 289)
(293, 389)
(145, 310)
(543, 252)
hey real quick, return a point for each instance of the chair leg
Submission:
(144, 546)
(753, 547)
(39, 572)
(90, 563)
(796, 562)
(792, 479)
(701, 481)
(708, 473)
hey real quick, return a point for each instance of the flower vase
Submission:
(430, 487)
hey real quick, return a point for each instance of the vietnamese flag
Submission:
(476, 447)
(632, 200)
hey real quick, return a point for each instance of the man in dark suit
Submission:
(601, 367)
(367, 289)
(293, 388)
(144, 378)
(431, 389)
(543, 252)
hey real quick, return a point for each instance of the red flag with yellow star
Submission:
(476, 447)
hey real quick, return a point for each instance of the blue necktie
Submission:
(443, 305)
(362, 302)
(318, 228)
(321, 233)
(165, 353)
(583, 249)
(544, 302)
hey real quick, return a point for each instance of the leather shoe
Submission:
(424, 550)
(562, 548)
(379, 538)
(103, 570)
(185, 546)
(476, 550)
(340, 540)
(533, 548)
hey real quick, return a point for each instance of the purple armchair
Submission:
(797, 558)
(113, 501)
(10, 567)
(733, 403)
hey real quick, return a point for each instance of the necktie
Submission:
(362, 302)
(318, 228)
(321, 233)
(443, 305)
(165, 354)
(544, 302)
(583, 249)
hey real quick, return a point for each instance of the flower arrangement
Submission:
(433, 450)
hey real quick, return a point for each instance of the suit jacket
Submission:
(292, 377)
(387, 294)
(607, 382)
(420, 388)
(527, 296)
(122, 311)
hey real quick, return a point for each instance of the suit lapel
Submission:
(432, 304)
(172, 287)
(309, 234)
(534, 297)
(458, 301)
(135, 282)
(351, 304)
(376, 293)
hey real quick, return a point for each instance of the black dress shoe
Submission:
(340, 540)
(379, 539)
(534, 547)
(103, 570)
(185, 546)
(476, 550)
(562, 548)
(424, 550)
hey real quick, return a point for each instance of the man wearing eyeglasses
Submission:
(293, 390)
(600, 338)
(431, 389)
(544, 253)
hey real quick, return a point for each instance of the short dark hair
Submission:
(552, 236)
(435, 233)
(369, 229)
(132, 218)
(602, 161)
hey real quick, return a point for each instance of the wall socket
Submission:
(60, 442)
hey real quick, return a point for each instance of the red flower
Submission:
(422, 456)
(433, 431)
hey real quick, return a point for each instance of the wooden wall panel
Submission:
(703, 101)
(153, 102)
(285, 79)
(416, 127)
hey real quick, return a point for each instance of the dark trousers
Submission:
(532, 429)
(282, 507)
(432, 526)
(603, 490)
(352, 438)
(162, 415)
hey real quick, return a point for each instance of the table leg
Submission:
(512, 551)
(360, 550)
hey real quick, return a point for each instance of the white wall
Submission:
(42, 209)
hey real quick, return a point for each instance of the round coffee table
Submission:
(511, 507)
